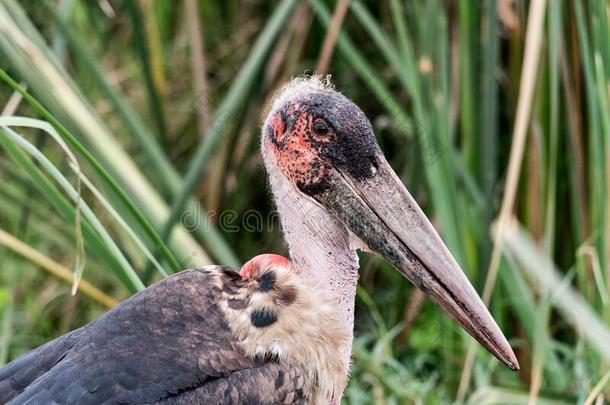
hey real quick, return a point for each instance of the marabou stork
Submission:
(279, 331)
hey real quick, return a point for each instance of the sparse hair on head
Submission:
(297, 86)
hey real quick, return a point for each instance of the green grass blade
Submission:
(570, 303)
(123, 269)
(486, 155)
(79, 264)
(102, 173)
(141, 45)
(551, 195)
(46, 127)
(117, 217)
(470, 87)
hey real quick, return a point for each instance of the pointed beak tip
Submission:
(500, 348)
(512, 362)
(505, 354)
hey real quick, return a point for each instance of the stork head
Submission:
(325, 147)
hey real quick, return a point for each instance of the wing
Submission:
(271, 383)
(21, 372)
(166, 340)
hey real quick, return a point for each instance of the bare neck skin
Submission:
(320, 248)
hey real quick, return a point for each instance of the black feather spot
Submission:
(267, 281)
(263, 317)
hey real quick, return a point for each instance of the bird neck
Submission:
(321, 249)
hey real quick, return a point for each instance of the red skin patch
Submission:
(262, 263)
(294, 151)
(278, 126)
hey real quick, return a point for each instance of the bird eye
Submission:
(320, 128)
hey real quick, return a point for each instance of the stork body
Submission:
(202, 336)
(279, 331)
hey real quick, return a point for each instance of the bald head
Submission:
(312, 128)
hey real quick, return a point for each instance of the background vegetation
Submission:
(495, 109)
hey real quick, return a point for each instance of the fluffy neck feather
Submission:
(321, 249)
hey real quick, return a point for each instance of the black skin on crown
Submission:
(349, 145)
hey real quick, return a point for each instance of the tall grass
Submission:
(441, 82)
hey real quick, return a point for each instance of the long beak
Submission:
(382, 213)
